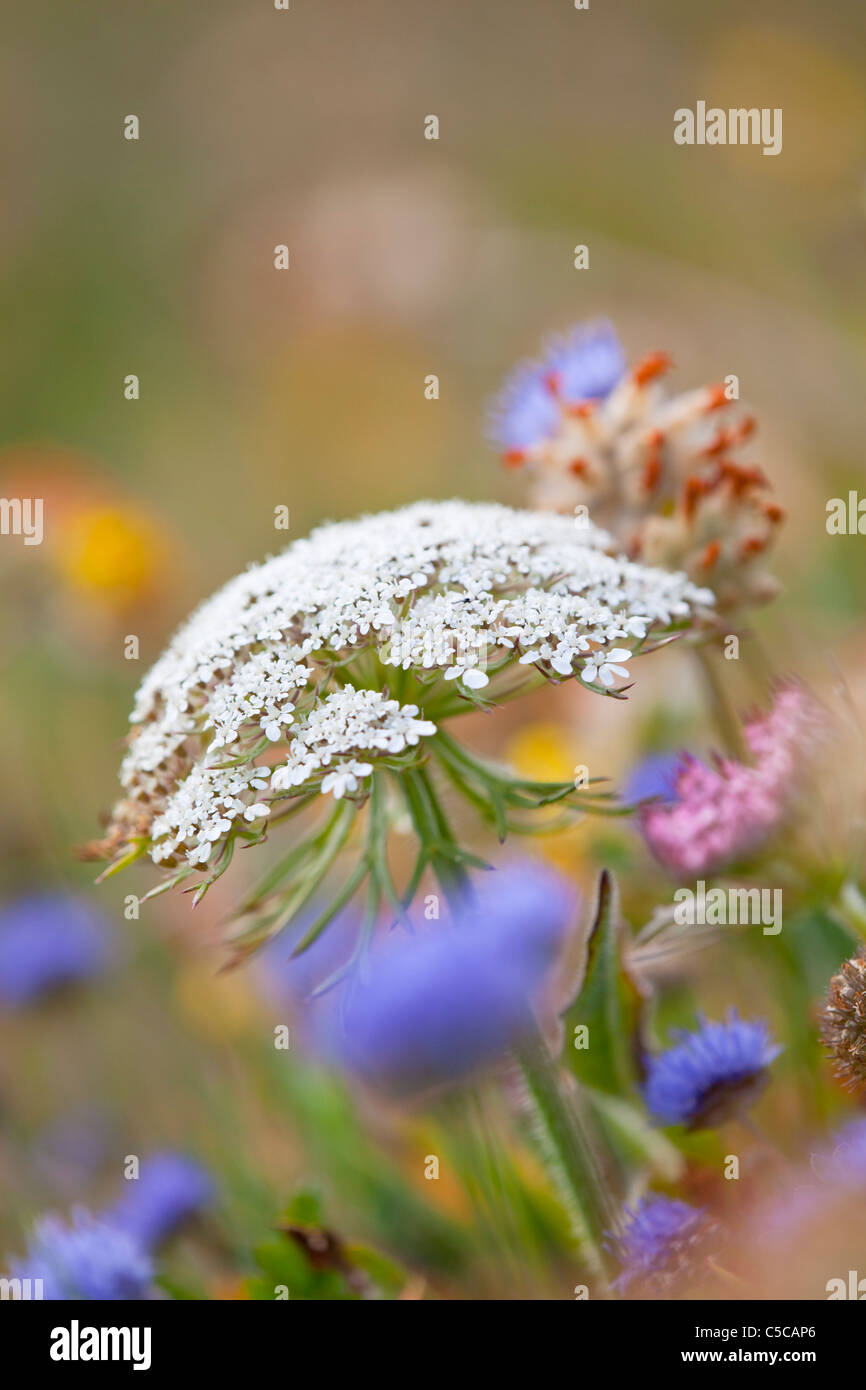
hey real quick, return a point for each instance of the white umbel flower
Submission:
(348, 721)
(203, 810)
(295, 657)
(605, 669)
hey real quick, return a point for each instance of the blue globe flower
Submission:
(711, 1073)
(169, 1189)
(658, 1241)
(437, 1003)
(655, 776)
(287, 981)
(584, 364)
(48, 940)
(587, 362)
(526, 410)
(89, 1258)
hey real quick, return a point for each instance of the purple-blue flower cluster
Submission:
(169, 1189)
(107, 1256)
(439, 1002)
(88, 1258)
(655, 776)
(711, 1073)
(285, 980)
(658, 1239)
(584, 364)
(48, 940)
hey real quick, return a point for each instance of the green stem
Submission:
(439, 846)
(320, 853)
(472, 1153)
(569, 1152)
(727, 723)
(850, 907)
(500, 787)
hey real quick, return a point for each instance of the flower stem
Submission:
(568, 1151)
(727, 723)
(476, 1157)
(850, 907)
(439, 846)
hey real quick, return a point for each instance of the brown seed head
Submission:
(843, 1020)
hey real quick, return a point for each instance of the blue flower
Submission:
(48, 940)
(711, 1073)
(584, 364)
(87, 1259)
(169, 1189)
(526, 410)
(655, 776)
(436, 1004)
(658, 1240)
(287, 981)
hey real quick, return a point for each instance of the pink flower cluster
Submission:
(723, 812)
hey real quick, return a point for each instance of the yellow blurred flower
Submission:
(544, 752)
(547, 752)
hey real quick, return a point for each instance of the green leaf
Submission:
(283, 1263)
(608, 1003)
(387, 1276)
(305, 1208)
(309, 1261)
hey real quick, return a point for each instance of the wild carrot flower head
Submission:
(658, 1243)
(726, 811)
(47, 941)
(843, 1020)
(661, 473)
(88, 1258)
(341, 655)
(435, 1004)
(709, 1074)
(169, 1189)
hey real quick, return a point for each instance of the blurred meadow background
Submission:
(306, 389)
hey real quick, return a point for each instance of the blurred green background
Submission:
(305, 388)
